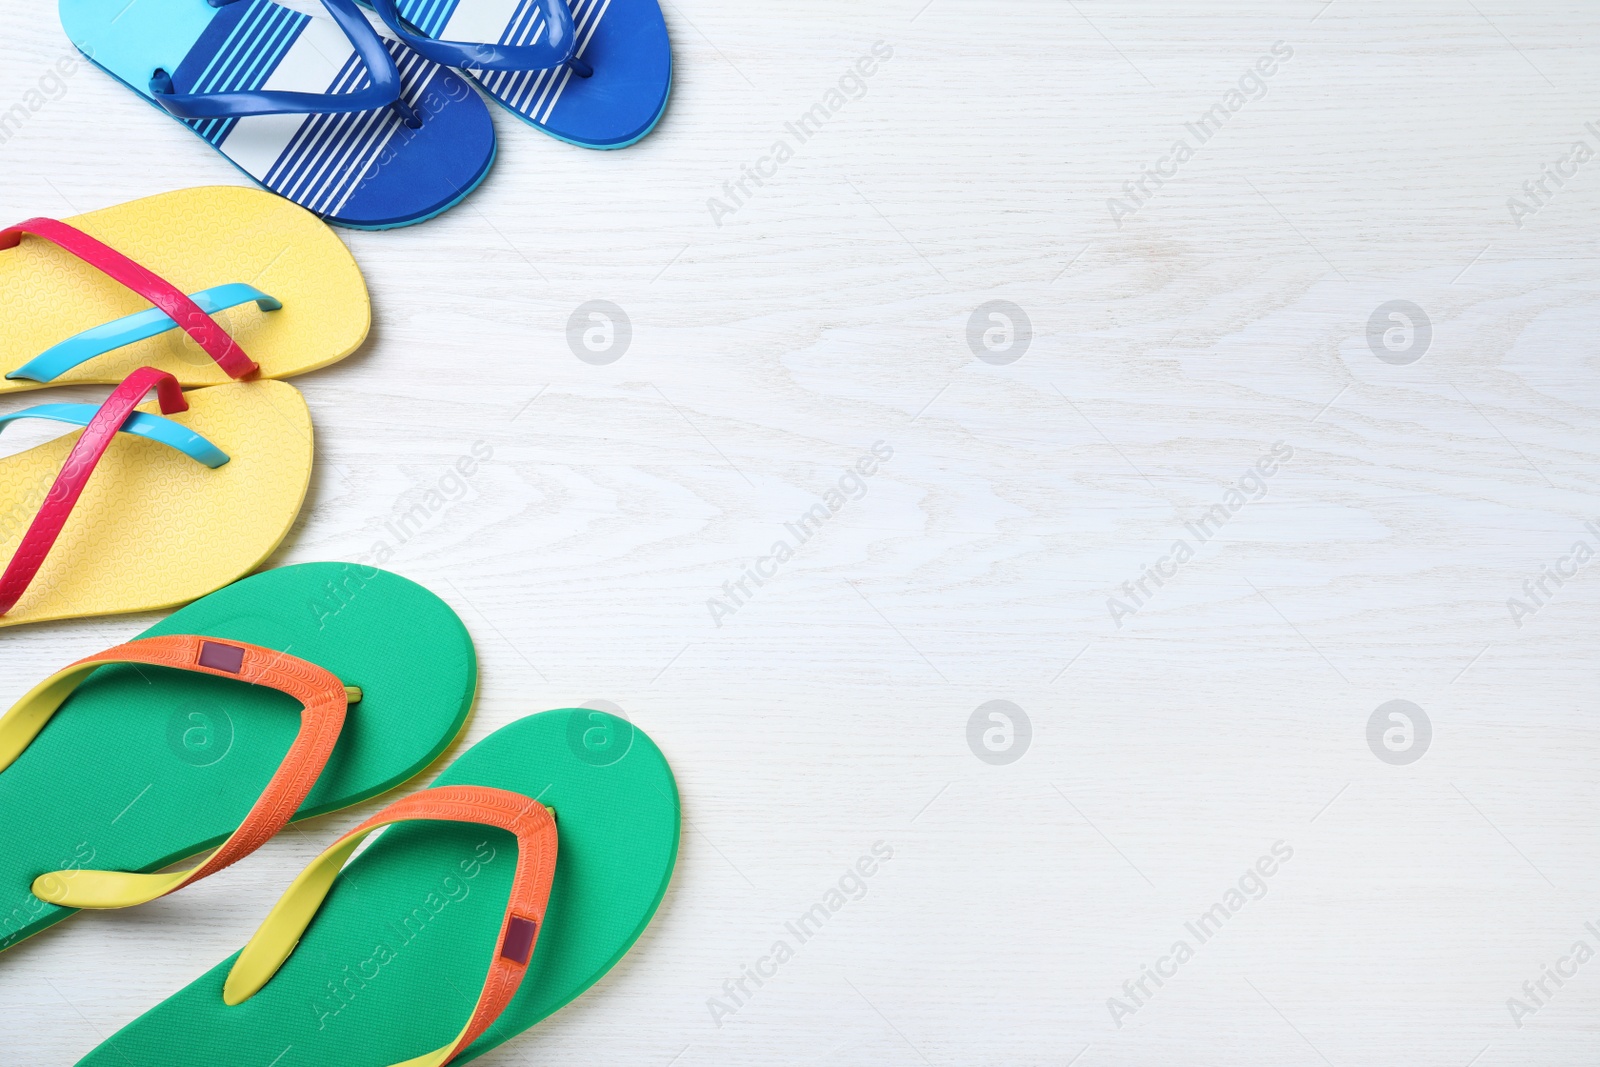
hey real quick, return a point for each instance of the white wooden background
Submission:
(829, 713)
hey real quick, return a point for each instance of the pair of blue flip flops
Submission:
(374, 132)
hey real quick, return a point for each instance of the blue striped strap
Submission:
(384, 90)
(556, 48)
(163, 431)
(74, 351)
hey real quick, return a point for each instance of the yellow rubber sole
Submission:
(154, 529)
(195, 239)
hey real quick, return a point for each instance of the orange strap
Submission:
(324, 701)
(535, 830)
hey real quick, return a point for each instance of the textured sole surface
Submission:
(195, 239)
(143, 766)
(392, 965)
(363, 169)
(154, 529)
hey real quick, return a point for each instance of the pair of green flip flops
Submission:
(490, 899)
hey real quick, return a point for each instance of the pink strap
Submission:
(81, 462)
(160, 292)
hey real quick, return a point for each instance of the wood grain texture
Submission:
(830, 711)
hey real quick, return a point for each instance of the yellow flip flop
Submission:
(206, 284)
(140, 512)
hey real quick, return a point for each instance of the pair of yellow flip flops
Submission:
(141, 510)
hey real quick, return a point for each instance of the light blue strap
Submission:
(163, 431)
(58, 359)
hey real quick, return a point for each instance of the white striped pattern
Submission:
(428, 16)
(323, 164)
(318, 161)
(247, 57)
(534, 93)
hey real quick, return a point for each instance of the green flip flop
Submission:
(512, 885)
(157, 750)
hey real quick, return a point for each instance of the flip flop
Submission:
(75, 295)
(594, 73)
(362, 131)
(436, 944)
(187, 738)
(138, 512)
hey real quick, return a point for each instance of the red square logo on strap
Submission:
(520, 936)
(218, 657)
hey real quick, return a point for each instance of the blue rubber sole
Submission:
(477, 180)
(494, 154)
(584, 144)
(594, 145)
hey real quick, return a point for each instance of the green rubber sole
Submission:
(392, 965)
(144, 766)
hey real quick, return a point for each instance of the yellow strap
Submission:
(440, 1056)
(288, 919)
(105, 890)
(94, 890)
(20, 725)
(277, 937)
(76, 889)
(273, 942)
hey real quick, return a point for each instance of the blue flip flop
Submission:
(359, 130)
(594, 73)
